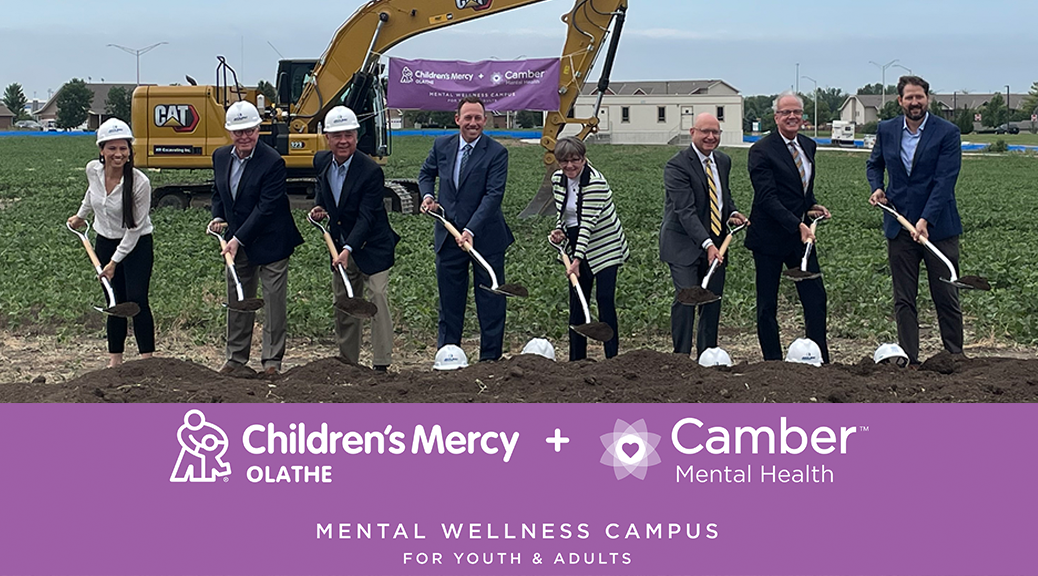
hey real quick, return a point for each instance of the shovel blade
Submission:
(356, 307)
(123, 310)
(696, 296)
(246, 305)
(594, 330)
(970, 283)
(513, 290)
(796, 274)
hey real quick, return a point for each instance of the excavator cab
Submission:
(290, 79)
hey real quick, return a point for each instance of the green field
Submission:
(47, 282)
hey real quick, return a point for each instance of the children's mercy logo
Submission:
(202, 446)
(406, 76)
(630, 449)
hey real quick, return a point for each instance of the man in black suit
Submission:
(472, 169)
(698, 203)
(350, 188)
(782, 170)
(250, 206)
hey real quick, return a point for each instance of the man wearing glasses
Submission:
(698, 203)
(250, 208)
(782, 171)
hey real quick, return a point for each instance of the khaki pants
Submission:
(348, 329)
(274, 277)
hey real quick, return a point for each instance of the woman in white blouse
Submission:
(587, 221)
(123, 228)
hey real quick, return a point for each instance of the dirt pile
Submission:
(637, 376)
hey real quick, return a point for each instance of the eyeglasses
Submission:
(245, 132)
(566, 161)
(710, 132)
(797, 112)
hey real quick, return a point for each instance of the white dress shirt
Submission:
(108, 208)
(717, 184)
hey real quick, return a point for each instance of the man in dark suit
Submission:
(922, 155)
(472, 169)
(349, 191)
(782, 170)
(250, 206)
(698, 203)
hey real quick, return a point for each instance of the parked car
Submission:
(1007, 129)
(28, 125)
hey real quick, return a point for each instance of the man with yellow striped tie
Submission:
(782, 170)
(698, 203)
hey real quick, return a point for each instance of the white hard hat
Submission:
(891, 352)
(340, 119)
(242, 115)
(540, 347)
(715, 357)
(804, 351)
(450, 357)
(113, 129)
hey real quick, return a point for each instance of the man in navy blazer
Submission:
(349, 191)
(250, 205)
(782, 170)
(472, 169)
(921, 154)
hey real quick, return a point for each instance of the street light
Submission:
(1008, 109)
(883, 81)
(137, 53)
(909, 70)
(816, 103)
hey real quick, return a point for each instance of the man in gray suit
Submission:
(698, 203)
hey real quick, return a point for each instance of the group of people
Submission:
(919, 153)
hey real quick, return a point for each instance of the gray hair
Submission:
(569, 147)
(800, 100)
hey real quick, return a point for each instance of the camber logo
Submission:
(630, 449)
(202, 446)
(179, 117)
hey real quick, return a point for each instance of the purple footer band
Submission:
(517, 489)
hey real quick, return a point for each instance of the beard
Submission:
(915, 112)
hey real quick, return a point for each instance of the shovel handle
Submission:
(93, 255)
(330, 243)
(572, 277)
(724, 245)
(454, 232)
(226, 255)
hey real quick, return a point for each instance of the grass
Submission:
(47, 282)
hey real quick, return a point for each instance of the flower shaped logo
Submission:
(630, 449)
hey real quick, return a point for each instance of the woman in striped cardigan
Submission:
(596, 243)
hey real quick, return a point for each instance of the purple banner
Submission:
(517, 489)
(502, 85)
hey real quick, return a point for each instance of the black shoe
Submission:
(382, 368)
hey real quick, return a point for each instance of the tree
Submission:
(833, 98)
(1030, 104)
(994, 113)
(268, 90)
(964, 120)
(73, 102)
(935, 107)
(758, 108)
(118, 103)
(529, 119)
(15, 100)
(876, 89)
(890, 110)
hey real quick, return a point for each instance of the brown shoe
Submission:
(272, 371)
(227, 369)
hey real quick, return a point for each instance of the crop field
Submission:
(47, 280)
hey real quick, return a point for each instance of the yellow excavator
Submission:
(179, 127)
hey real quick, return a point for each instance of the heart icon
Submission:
(631, 449)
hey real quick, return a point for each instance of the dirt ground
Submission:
(41, 368)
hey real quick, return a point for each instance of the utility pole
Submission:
(796, 81)
(137, 53)
(883, 81)
(1008, 109)
(816, 103)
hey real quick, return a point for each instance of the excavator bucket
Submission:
(543, 203)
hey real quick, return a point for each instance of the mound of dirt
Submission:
(636, 376)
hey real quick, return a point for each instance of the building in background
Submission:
(660, 112)
(96, 113)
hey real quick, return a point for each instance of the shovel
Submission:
(242, 304)
(798, 274)
(594, 330)
(356, 307)
(501, 289)
(124, 310)
(699, 295)
(967, 282)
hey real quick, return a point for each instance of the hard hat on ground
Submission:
(242, 115)
(450, 357)
(113, 129)
(804, 351)
(891, 353)
(715, 357)
(340, 119)
(540, 347)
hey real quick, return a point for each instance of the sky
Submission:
(753, 45)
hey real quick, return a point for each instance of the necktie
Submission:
(715, 210)
(464, 159)
(800, 164)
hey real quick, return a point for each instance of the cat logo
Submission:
(179, 117)
(476, 5)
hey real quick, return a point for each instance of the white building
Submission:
(661, 112)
